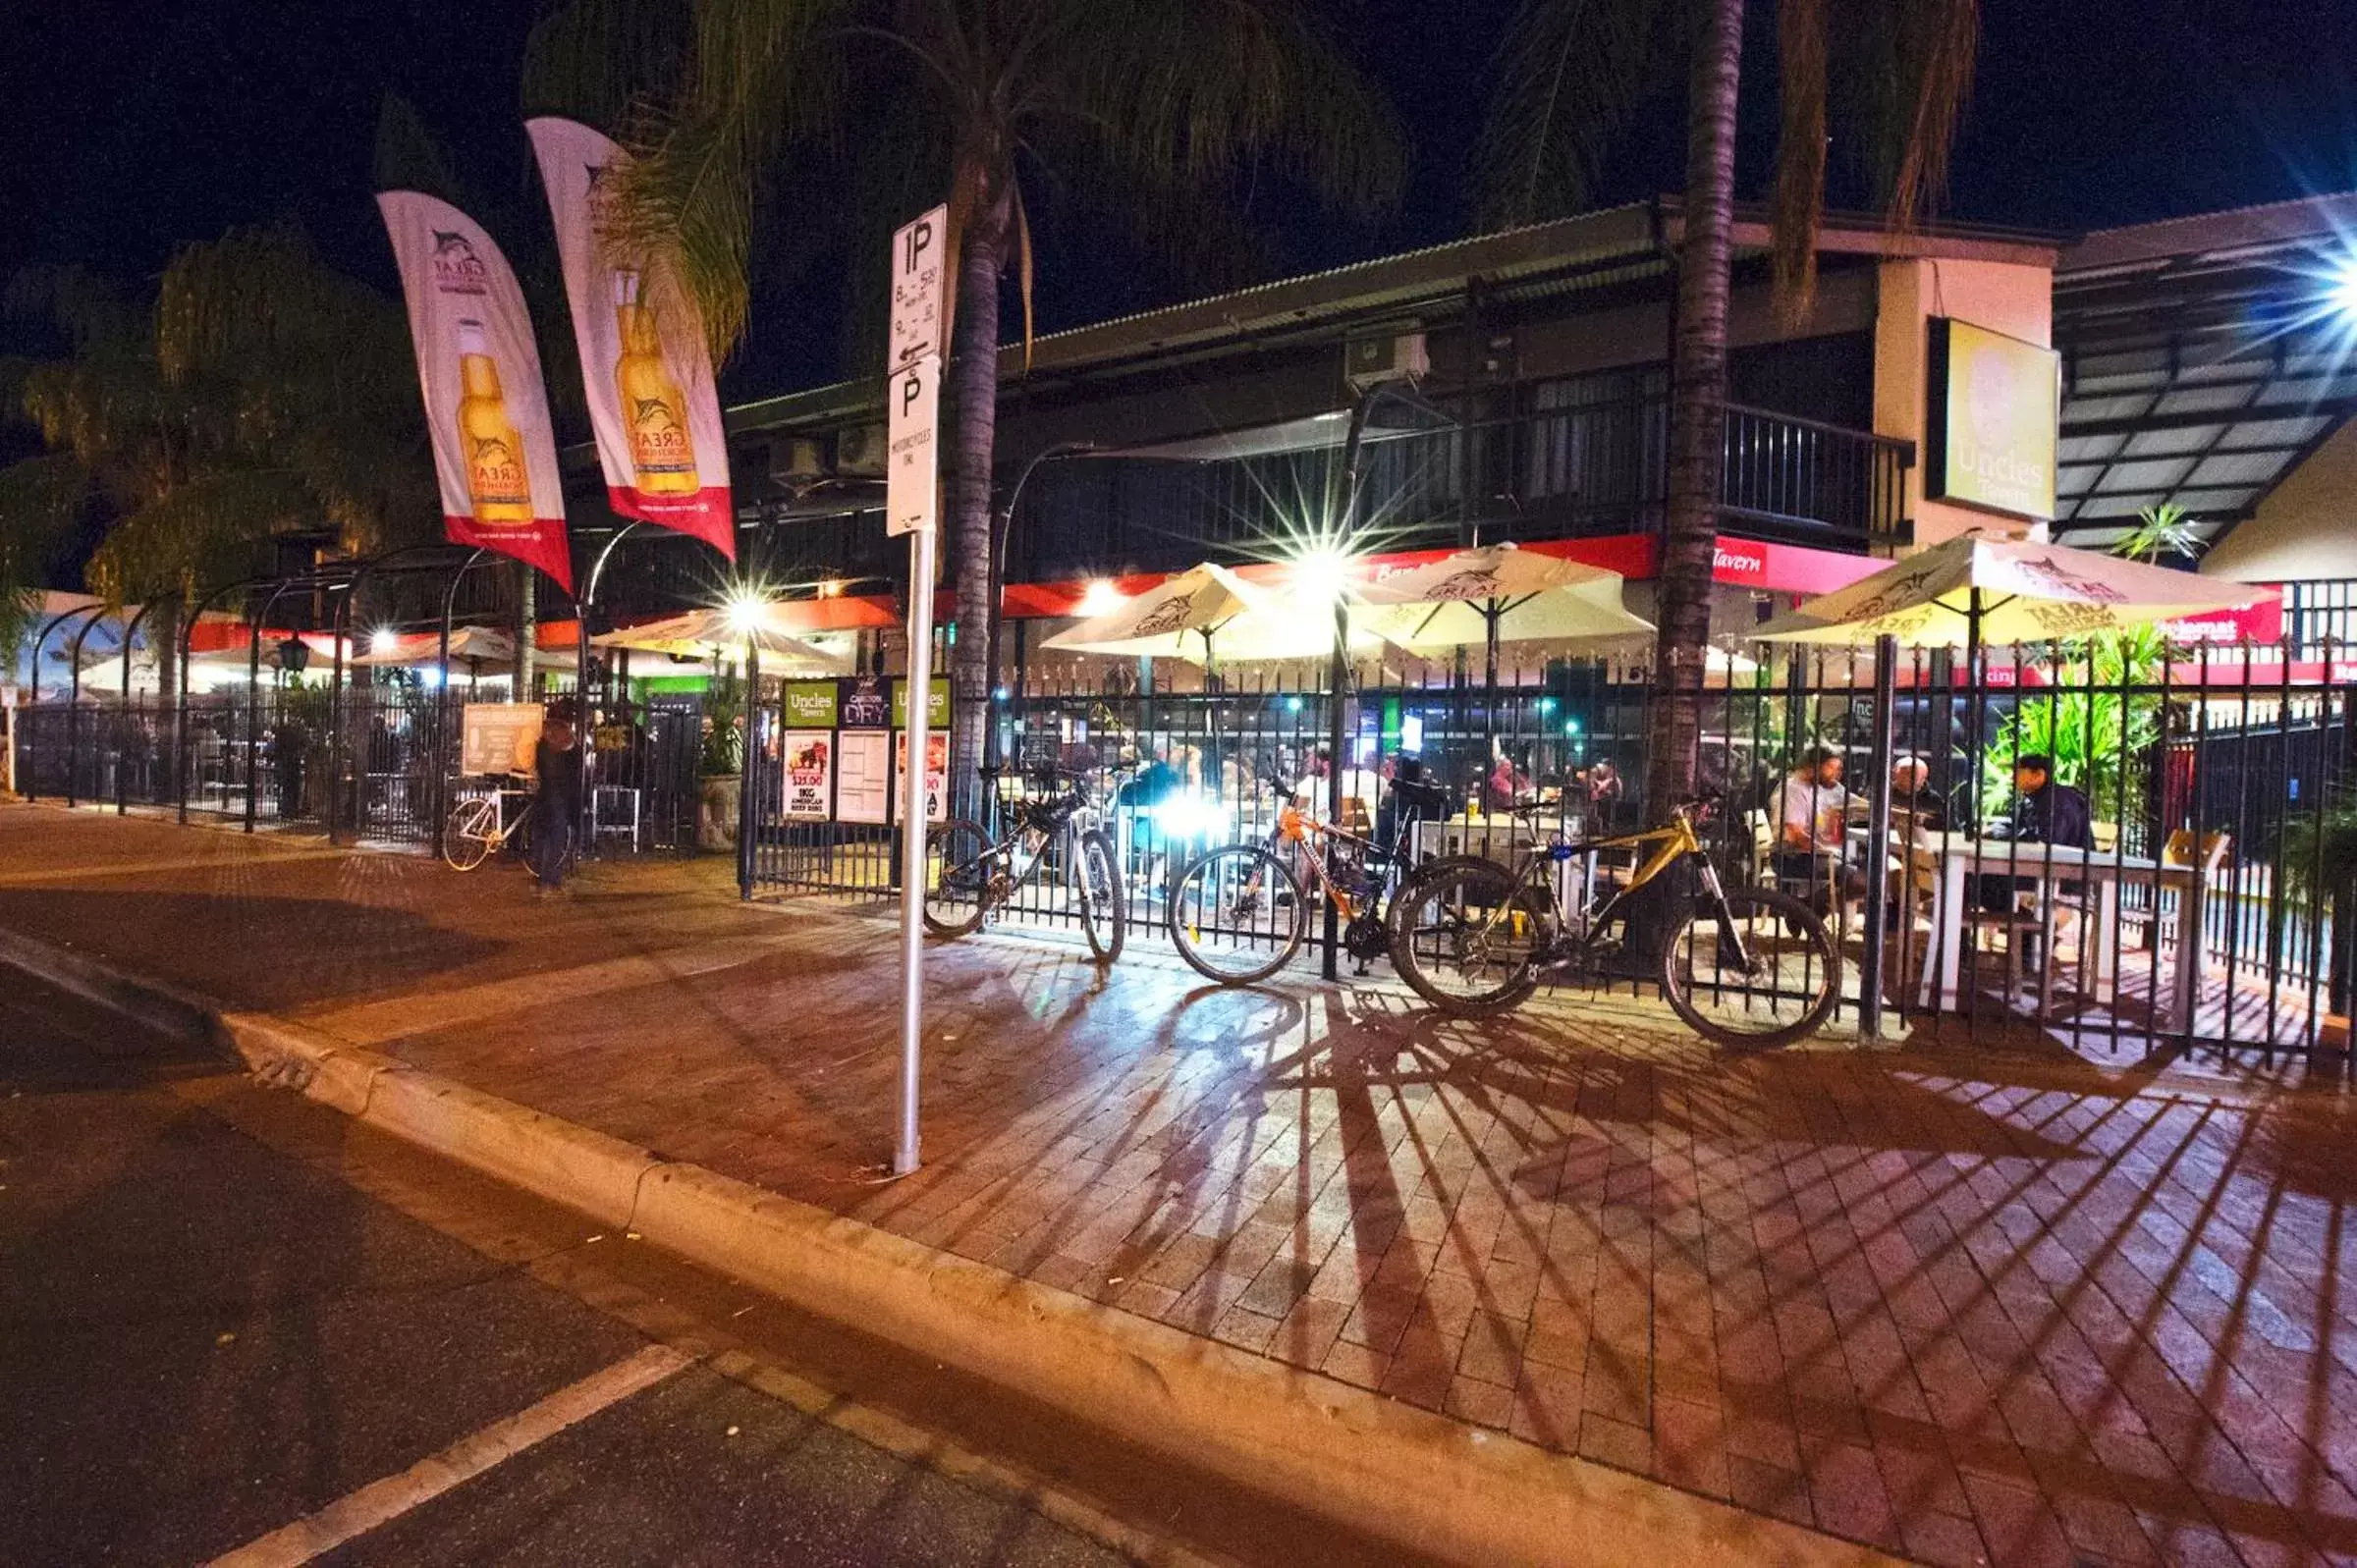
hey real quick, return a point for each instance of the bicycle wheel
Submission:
(1763, 973)
(1464, 934)
(961, 866)
(1237, 914)
(1104, 911)
(468, 834)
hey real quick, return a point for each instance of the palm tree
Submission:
(1162, 104)
(1574, 69)
(259, 393)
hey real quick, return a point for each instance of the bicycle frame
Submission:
(1676, 840)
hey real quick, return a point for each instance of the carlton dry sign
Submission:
(1995, 403)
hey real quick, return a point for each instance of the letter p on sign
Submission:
(919, 274)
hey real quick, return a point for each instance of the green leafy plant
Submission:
(723, 751)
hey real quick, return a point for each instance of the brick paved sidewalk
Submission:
(1967, 1307)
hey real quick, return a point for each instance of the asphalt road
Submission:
(223, 1311)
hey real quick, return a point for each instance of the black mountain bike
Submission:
(969, 874)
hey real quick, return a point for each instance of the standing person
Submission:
(556, 764)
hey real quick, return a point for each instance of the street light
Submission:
(1319, 575)
(383, 640)
(1099, 597)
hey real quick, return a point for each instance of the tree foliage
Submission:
(1883, 79)
(257, 392)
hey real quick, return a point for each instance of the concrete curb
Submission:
(1424, 1480)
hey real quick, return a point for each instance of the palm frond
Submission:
(1568, 73)
(1947, 38)
(41, 502)
(595, 60)
(202, 530)
(682, 210)
(1199, 90)
(409, 157)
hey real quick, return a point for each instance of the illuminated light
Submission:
(1570, 726)
(1546, 705)
(831, 588)
(430, 677)
(383, 640)
(1000, 694)
(1189, 814)
(1099, 597)
(1292, 705)
(1320, 575)
(2343, 291)
(748, 612)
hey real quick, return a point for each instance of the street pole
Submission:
(914, 818)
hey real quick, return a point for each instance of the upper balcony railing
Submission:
(1583, 457)
(1591, 468)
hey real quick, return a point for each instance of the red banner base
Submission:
(538, 542)
(709, 514)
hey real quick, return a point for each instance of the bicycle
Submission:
(1744, 967)
(475, 829)
(970, 875)
(1236, 912)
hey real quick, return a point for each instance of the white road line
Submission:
(383, 1500)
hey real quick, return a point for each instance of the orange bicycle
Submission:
(1237, 914)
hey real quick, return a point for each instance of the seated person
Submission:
(1811, 809)
(1914, 808)
(2045, 812)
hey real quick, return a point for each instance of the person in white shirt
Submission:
(1812, 809)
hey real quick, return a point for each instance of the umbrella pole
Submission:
(1974, 694)
(1489, 616)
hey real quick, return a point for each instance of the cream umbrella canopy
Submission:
(1975, 591)
(1498, 593)
(728, 634)
(1207, 613)
(468, 645)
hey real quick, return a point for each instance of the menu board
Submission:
(500, 738)
(809, 774)
(863, 776)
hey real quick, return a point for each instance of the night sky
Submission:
(143, 124)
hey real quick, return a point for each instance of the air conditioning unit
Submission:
(798, 460)
(860, 451)
(1371, 360)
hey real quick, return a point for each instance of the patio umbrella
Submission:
(1209, 611)
(1495, 594)
(472, 645)
(1501, 594)
(727, 633)
(1972, 591)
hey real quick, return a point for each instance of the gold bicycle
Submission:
(1743, 966)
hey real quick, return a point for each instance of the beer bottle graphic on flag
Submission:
(644, 365)
(486, 406)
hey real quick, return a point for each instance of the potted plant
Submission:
(720, 765)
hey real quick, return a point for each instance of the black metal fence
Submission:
(2179, 885)
(2190, 883)
(266, 757)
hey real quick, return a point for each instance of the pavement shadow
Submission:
(250, 950)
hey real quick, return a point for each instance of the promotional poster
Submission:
(809, 774)
(644, 364)
(486, 406)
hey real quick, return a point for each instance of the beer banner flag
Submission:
(647, 370)
(486, 403)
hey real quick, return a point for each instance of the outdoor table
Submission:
(1962, 859)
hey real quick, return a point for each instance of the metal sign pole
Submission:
(914, 819)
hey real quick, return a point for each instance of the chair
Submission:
(620, 796)
(2188, 865)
